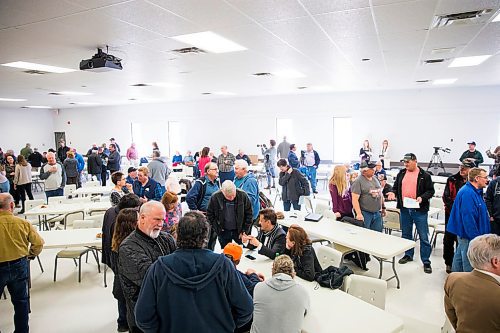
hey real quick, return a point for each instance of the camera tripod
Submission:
(436, 162)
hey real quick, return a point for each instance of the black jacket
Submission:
(425, 189)
(114, 160)
(61, 153)
(307, 265)
(94, 164)
(215, 212)
(108, 227)
(35, 159)
(453, 184)
(492, 199)
(276, 245)
(294, 185)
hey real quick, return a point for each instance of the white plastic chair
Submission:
(321, 208)
(69, 190)
(30, 204)
(439, 189)
(437, 203)
(308, 204)
(392, 221)
(56, 200)
(92, 183)
(328, 256)
(96, 219)
(368, 289)
(329, 214)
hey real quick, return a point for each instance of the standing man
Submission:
(139, 251)
(94, 165)
(247, 182)
(471, 299)
(158, 170)
(225, 162)
(270, 162)
(453, 184)
(54, 175)
(229, 214)
(472, 154)
(19, 241)
(242, 156)
(293, 160)
(80, 165)
(311, 162)
(199, 195)
(114, 159)
(27, 151)
(132, 155)
(283, 148)
(62, 151)
(193, 289)
(367, 198)
(271, 239)
(469, 217)
(492, 199)
(35, 160)
(413, 190)
(147, 188)
(113, 142)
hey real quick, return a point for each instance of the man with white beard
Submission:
(139, 251)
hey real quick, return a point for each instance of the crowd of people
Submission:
(167, 275)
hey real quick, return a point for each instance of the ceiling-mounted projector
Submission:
(101, 62)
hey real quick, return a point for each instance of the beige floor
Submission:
(67, 306)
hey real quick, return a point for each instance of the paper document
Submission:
(410, 203)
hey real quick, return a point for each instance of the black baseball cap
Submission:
(367, 164)
(131, 169)
(466, 163)
(472, 143)
(409, 157)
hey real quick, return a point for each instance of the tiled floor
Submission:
(68, 306)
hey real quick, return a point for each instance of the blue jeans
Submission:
(311, 175)
(460, 260)
(410, 216)
(5, 187)
(373, 221)
(270, 173)
(15, 277)
(54, 193)
(288, 204)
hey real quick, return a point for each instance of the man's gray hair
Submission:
(149, 206)
(228, 187)
(482, 249)
(241, 163)
(5, 200)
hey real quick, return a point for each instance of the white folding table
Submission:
(71, 238)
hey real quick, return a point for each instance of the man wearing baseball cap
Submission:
(453, 184)
(414, 183)
(472, 154)
(132, 175)
(250, 278)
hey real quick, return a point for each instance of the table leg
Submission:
(394, 270)
(393, 263)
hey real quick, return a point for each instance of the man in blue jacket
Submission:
(80, 166)
(203, 188)
(311, 162)
(193, 289)
(247, 182)
(293, 160)
(469, 217)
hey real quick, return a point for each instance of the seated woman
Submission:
(299, 248)
(173, 208)
(340, 191)
(120, 189)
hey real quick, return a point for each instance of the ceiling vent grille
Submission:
(188, 50)
(140, 85)
(35, 72)
(262, 74)
(473, 17)
(433, 61)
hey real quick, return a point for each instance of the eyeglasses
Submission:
(484, 177)
(214, 169)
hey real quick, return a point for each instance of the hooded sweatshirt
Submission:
(193, 290)
(280, 305)
(249, 184)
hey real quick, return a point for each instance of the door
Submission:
(59, 136)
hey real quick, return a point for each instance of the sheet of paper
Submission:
(410, 203)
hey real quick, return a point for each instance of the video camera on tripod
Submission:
(436, 162)
(444, 150)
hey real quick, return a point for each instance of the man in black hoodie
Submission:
(193, 290)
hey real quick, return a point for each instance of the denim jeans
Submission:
(373, 221)
(270, 173)
(410, 216)
(15, 277)
(54, 193)
(311, 175)
(460, 261)
(4, 187)
(287, 205)
(122, 314)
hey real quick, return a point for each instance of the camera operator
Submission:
(472, 154)
(270, 162)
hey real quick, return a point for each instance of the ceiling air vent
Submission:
(433, 61)
(35, 72)
(140, 85)
(422, 81)
(473, 17)
(262, 74)
(188, 50)
(206, 93)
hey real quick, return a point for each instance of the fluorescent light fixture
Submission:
(12, 99)
(72, 93)
(84, 103)
(497, 18)
(38, 67)
(165, 84)
(469, 61)
(37, 107)
(444, 81)
(289, 74)
(210, 41)
(224, 93)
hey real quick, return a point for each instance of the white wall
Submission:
(21, 126)
(412, 121)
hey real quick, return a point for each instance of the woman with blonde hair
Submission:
(384, 155)
(365, 153)
(22, 180)
(340, 191)
(299, 248)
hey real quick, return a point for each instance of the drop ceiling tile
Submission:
(94, 4)
(269, 10)
(356, 48)
(487, 42)
(250, 36)
(346, 24)
(454, 6)
(300, 33)
(408, 16)
(327, 6)
(452, 36)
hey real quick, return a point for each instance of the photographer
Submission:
(269, 162)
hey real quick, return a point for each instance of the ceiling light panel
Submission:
(37, 107)
(72, 93)
(210, 42)
(38, 67)
(12, 99)
(289, 74)
(444, 81)
(497, 18)
(469, 61)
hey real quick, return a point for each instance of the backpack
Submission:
(332, 277)
(264, 201)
